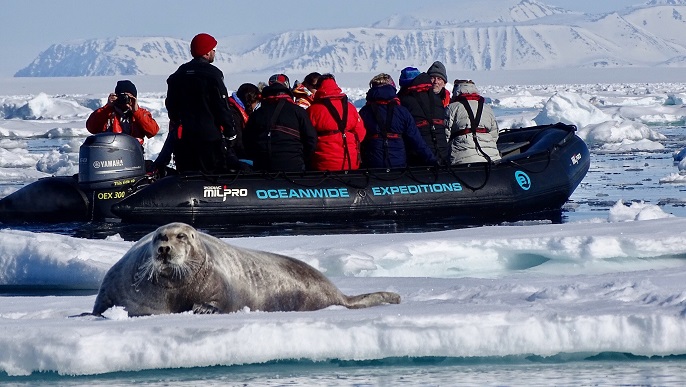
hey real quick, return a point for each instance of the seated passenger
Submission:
(121, 114)
(339, 128)
(242, 103)
(438, 80)
(279, 136)
(390, 128)
(417, 95)
(304, 92)
(472, 126)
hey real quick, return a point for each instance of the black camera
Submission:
(123, 99)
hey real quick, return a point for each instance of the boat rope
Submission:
(487, 167)
(413, 177)
(530, 170)
(548, 153)
(380, 176)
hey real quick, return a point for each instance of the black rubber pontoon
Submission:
(540, 168)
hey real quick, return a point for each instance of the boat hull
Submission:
(539, 171)
(49, 200)
(539, 180)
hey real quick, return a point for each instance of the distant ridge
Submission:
(442, 14)
(114, 56)
(487, 36)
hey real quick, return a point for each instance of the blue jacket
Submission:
(402, 132)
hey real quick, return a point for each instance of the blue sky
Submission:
(28, 27)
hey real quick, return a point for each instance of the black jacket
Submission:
(197, 98)
(430, 116)
(288, 144)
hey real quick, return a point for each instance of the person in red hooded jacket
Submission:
(339, 128)
(121, 114)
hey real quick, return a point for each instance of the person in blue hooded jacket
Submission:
(391, 129)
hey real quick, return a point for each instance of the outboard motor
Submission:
(111, 165)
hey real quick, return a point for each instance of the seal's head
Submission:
(174, 255)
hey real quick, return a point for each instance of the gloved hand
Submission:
(230, 141)
(149, 166)
(151, 169)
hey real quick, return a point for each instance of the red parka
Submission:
(336, 149)
(105, 120)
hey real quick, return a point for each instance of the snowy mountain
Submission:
(116, 56)
(472, 13)
(512, 35)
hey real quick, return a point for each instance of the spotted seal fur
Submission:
(177, 269)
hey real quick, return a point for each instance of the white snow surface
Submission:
(492, 291)
(614, 283)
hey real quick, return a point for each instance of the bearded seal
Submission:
(177, 269)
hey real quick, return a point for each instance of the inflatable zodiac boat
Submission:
(540, 168)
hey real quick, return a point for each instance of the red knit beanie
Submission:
(202, 44)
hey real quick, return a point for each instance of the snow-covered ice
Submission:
(611, 283)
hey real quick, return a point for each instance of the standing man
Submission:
(197, 104)
(439, 78)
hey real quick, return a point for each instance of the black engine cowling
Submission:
(107, 159)
(110, 164)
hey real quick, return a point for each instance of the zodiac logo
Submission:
(576, 158)
(523, 180)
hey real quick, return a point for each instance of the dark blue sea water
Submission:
(630, 176)
(603, 370)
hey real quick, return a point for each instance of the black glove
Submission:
(149, 166)
(230, 141)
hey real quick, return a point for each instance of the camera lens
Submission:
(123, 99)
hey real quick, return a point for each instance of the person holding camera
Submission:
(121, 114)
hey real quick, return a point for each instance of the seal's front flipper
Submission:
(89, 316)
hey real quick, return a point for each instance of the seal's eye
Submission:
(182, 236)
